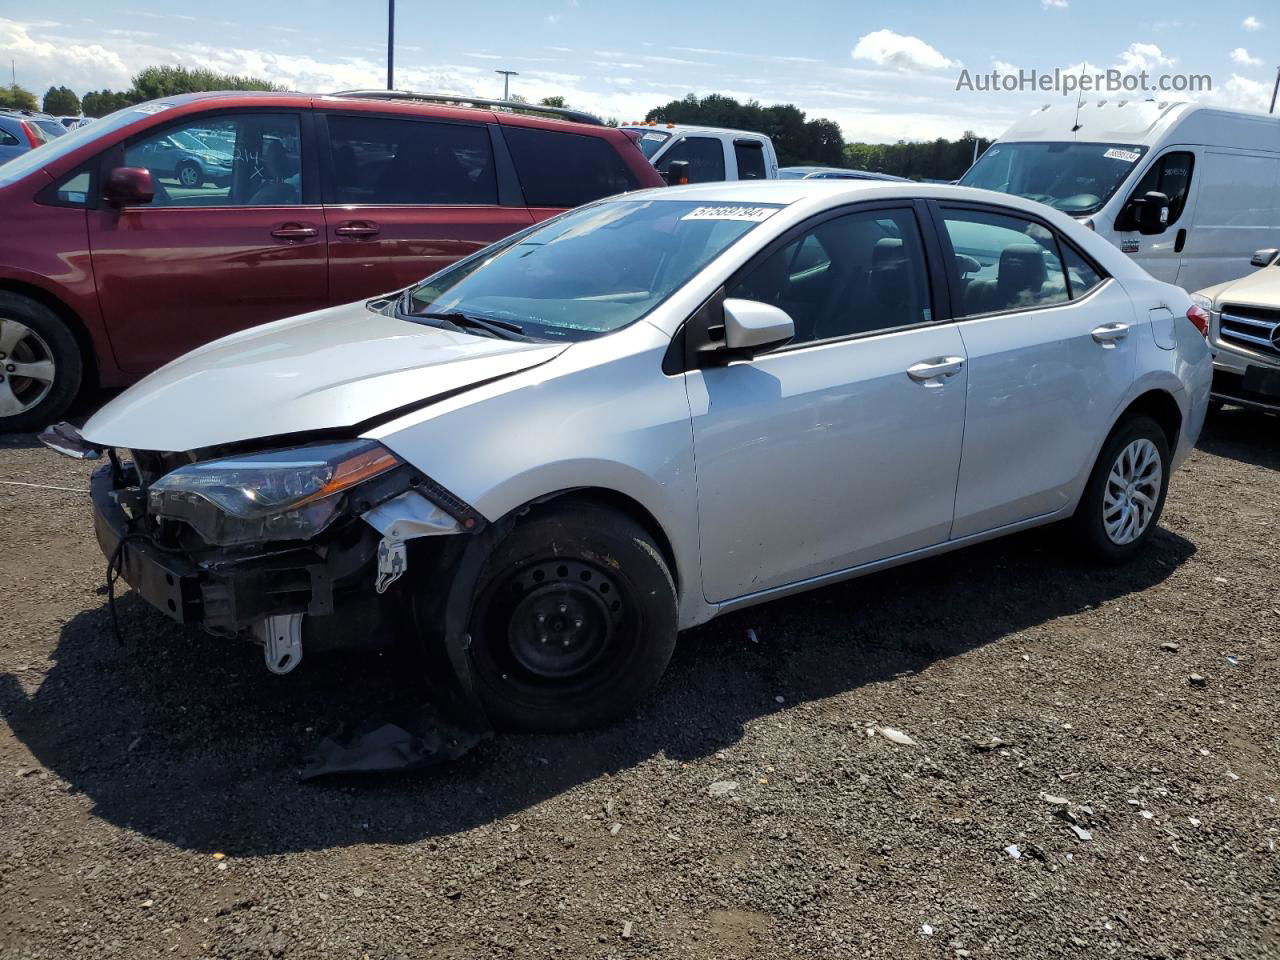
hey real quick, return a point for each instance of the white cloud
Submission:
(1252, 24)
(1004, 66)
(1241, 56)
(1240, 93)
(1054, 4)
(1143, 56)
(888, 49)
(79, 65)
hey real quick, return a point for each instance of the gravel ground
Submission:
(150, 802)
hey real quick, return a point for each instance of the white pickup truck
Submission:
(712, 153)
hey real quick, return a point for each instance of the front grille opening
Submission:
(1252, 327)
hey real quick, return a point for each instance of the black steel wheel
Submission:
(574, 621)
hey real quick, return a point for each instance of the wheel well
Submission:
(613, 500)
(74, 324)
(1163, 409)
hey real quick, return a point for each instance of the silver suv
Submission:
(1245, 335)
(549, 458)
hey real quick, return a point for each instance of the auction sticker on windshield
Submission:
(1128, 156)
(750, 214)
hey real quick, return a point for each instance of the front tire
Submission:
(573, 622)
(40, 364)
(1125, 495)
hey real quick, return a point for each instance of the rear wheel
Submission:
(1125, 495)
(189, 175)
(574, 620)
(40, 364)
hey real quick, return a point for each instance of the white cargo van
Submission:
(712, 153)
(1218, 169)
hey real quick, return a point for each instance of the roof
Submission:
(1145, 121)
(692, 128)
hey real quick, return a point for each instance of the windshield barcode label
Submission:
(1128, 156)
(752, 214)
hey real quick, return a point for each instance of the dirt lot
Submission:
(150, 803)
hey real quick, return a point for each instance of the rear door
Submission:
(1237, 211)
(558, 169)
(405, 197)
(233, 238)
(1051, 348)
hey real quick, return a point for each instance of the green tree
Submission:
(169, 81)
(98, 103)
(15, 97)
(61, 101)
(553, 102)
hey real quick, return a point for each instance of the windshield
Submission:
(188, 142)
(651, 140)
(590, 271)
(1076, 178)
(793, 173)
(21, 165)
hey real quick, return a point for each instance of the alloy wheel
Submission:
(26, 368)
(189, 177)
(1132, 492)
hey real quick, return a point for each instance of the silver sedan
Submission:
(546, 460)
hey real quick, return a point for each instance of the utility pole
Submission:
(1274, 91)
(391, 44)
(506, 82)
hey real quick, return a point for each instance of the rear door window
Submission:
(750, 157)
(566, 169)
(1003, 262)
(384, 161)
(705, 156)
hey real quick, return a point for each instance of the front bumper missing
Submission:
(227, 594)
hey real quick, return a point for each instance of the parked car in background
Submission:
(712, 154)
(175, 222)
(1214, 173)
(70, 123)
(20, 131)
(832, 173)
(499, 462)
(1244, 330)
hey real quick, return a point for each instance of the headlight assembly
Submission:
(288, 494)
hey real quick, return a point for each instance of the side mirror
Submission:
(1153, 214)
(129, 186)
(1264, 258)
(752, 327)
(677, 173)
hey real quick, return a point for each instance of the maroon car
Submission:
(139, 236)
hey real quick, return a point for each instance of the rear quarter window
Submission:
(566, 169)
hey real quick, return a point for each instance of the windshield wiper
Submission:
(502, 329)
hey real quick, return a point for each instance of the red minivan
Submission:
(139, 236)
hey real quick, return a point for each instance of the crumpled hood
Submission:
(333, 368)
(1259, 289)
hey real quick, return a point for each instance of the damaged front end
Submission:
(295, 547)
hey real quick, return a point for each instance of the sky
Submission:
(883, 71)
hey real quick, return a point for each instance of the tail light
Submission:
(1199, 318)
(35, 136)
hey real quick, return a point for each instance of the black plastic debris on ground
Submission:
(388, 747)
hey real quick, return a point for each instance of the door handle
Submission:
(1109, 333)
(933, 372)
(294, 231)
(1180, 240)
(357, 229)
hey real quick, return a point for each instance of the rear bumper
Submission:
(226, 593)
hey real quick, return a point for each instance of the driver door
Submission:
(1161, 255)
(201, 262)
(841, 448)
